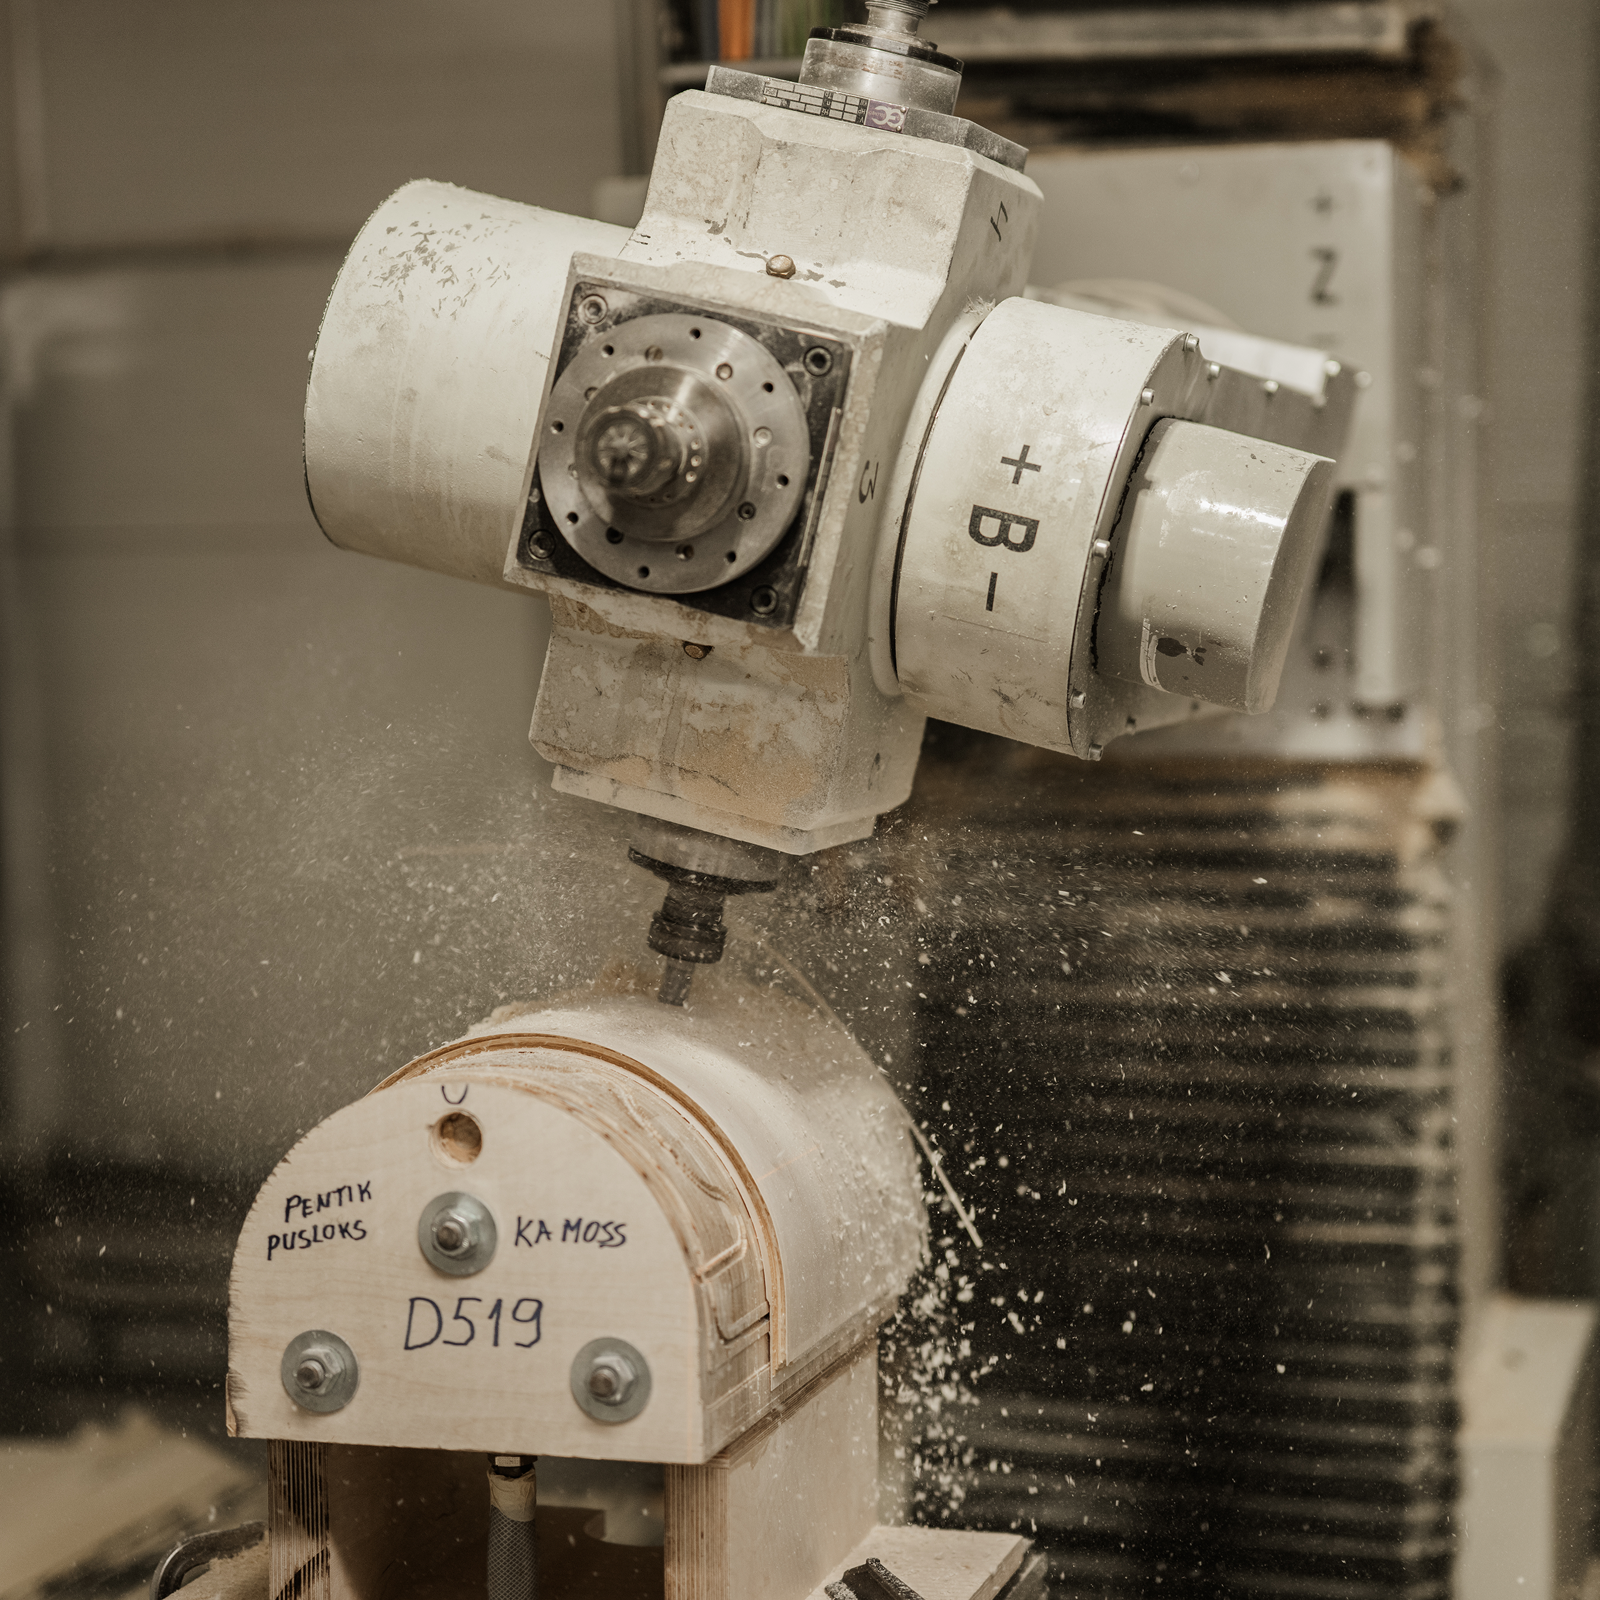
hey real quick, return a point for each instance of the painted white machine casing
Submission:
(786, 738)
(734, 1194)
(916, 595)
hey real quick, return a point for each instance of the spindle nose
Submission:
(633, 454)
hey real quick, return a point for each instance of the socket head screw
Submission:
(592, 308)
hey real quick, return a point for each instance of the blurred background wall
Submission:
(261, 797)
(271, 822)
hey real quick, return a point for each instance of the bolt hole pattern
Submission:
(572, 516)
(767, 388)
(644, 572)
(746, 511)
(783, 480)
(694, 333)
(458, 1138)
(558, 427)
(733, 555)
(724, 371)
(653, 353)
(608, 350)
(613, 536)
(686, 552)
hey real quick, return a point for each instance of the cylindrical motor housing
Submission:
(1094, 499)
(428, 373)
(613, 1230)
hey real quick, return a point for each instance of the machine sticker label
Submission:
(573, 1230)
(1028, 529)
(426, 1322)
(833, 104)
(1153, 644)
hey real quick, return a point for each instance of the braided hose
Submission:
(513, 1530)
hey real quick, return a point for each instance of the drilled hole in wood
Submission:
(457, 1137)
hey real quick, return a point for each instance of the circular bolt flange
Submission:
(319, 1371)
(457, 1234)
(610, 1380)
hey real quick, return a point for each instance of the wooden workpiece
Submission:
(733, 1195)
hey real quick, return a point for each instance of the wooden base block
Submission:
(769, 1517)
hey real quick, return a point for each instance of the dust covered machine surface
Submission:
(797, 464)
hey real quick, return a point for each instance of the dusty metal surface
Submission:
(1185, 1044)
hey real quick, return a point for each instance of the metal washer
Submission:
(339, 1389)
(484, 1234)
(600, 1410)
(760, 393)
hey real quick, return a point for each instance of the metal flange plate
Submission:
(761, 456)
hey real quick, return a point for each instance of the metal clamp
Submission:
(200, 1550)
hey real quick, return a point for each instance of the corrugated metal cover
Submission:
(1200, 1011)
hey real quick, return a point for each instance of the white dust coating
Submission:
(425, 389)
(814, 1124)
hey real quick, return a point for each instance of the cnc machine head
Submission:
(797, 465)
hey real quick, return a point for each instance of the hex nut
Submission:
(456, 1234)
(610, 1380)
(319, 1371)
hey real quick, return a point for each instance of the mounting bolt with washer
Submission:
(539, 546)
(457, 1234)
(764, 601)
(610, 1380)
(319, 1371)
(818, 360)
(780, 266)
(592, 308)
